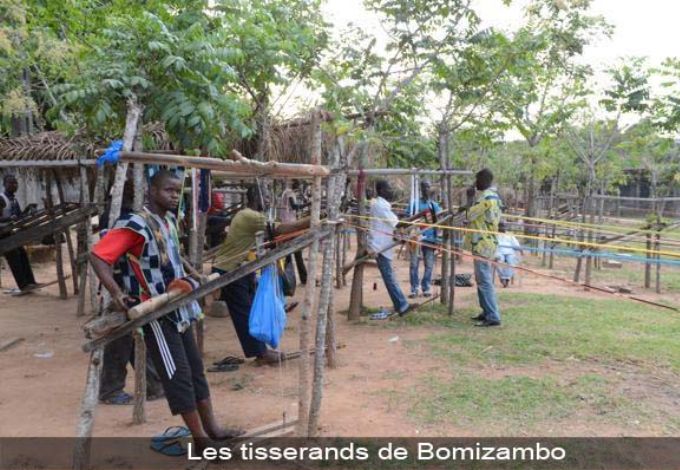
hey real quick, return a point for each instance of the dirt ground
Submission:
(43, 377)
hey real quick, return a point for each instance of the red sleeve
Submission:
(116, 243)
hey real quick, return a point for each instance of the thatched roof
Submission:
(57, 146)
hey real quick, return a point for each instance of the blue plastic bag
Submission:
(268, 315)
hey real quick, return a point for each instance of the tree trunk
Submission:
(263, 128)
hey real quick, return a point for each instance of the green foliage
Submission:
(666, 108)
(276, 44)
(168, 62)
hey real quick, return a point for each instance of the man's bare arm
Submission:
(104, 272)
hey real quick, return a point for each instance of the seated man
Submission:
(381, 241)
(148, 240)
(17, 259)
(233, 253)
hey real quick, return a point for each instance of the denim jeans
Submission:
(486, 290)
(506, 272)
(428, 258)
(398, 299)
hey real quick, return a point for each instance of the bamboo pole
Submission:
(310, 290)
(240, 166)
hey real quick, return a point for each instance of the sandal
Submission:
(118, 398)
(229, 360)
(169, 441)
(382, 315)
(223, 368)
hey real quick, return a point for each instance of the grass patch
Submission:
(492, 381)
(519, 403)
(539, 327)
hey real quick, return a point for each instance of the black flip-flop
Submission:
(229, 360)
(223, 368)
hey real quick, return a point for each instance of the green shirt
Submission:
(240, 239)
(484, 216)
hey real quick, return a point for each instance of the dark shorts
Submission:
(179, 365)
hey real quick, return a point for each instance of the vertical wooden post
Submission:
(451, 247)
(551, 261)
(442, 150)
(310, 290)
(138, 412)
(81, 451)
(58, 176)
(324, 334)
(657, 248)
(63, 293)
(357, 290)
(85, 268)
(589, 259)
(648, 265)
(138, 408)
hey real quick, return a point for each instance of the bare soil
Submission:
(43, 377)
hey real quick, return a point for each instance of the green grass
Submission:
(514, 402)
(540, 327)
(493, 380)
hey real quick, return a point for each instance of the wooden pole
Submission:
(648, 265)
(442, 149)
(63, 293)
(310, 290)
(334, 185)
(657, 247)
(138, 408)
(211, 286)
(357, 290)
(451, 246)
(81, 452)
(86, 271)
(138, 412)
(58, 175)
(241, 166)
(589, 259)
(330, 332)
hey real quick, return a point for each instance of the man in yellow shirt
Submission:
(482, 219)
(233, 253)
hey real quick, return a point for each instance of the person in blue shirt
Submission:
(428, 237)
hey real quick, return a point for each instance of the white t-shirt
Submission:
(383, 221)
(507, 244)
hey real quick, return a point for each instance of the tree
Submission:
(666, 108)
(165, 60)
(547, 85)
(277, 43)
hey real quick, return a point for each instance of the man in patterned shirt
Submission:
(482, 220)
(147, 245)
